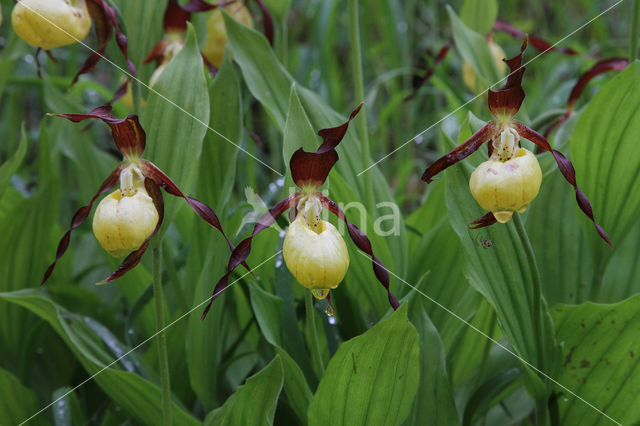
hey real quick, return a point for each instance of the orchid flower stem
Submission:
(541, 403)
(316, 354)
(358, 80)
(633, 41)
(163, 359)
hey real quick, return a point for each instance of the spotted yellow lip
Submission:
(317, 257)
(503, 187)
(122, 223)
(49, 24)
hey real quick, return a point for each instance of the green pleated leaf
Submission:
(10, 166)
(371, 378)
(138, 397)
(174, 136)
(621, 276)
(298, 133)
(66, 411)
(479, 15)
(606, 156)
(269, 314)
(559, 243)
(18, 402)
(270, 83)
(474, 49)
(434, 399)
(253, 403)
(506, 277)
(219, 156)
(601, 350)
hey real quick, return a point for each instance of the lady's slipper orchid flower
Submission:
(49, 24)
(511, 178)
(469, 75)
(216, 41)
(127, 219)
(313, 250)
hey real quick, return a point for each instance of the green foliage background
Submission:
(477, 339)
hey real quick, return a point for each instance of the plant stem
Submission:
(316, 354)
(358, 81)
(633, 41)
(541, 404)
(163, 359)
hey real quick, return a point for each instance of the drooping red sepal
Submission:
(310, 169)
(537, 42)
(605, 65)
(127, 132)
(505, 102)
(267, 22)
(483, 221)
(427, 76)
(132, 260)
(152, 171)
(175, 18)
(567, 170)
(240, 254)
(105, 19)
(462, 151)
(361, 241)
(332, 136)
(80, 216)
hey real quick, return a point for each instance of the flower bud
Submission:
(216, 41)
(51, 23)
(123, 222)
(503, 187)
(315, 254)
(469, 75)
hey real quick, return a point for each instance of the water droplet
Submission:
(283, 233)
(130, 331)
(320, 293)
(280, 182)
(278, 263)
(332, 320)
(330, 312)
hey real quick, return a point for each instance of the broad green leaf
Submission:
(371, 378)
(269, 314)
(140, 398)
(298, 133)
(505, 275)
(28, 227)
(279, 8)
(253, 403)
(434, 399)
(474, 49)
(601, 348)
(556, 236)
(270, 83)
(479, 15)
(606, 157)
(18, 402)
(66, 410)
(10, 166)
(219, 156)
(621, 276)
(176, 120)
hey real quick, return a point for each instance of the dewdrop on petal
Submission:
(126, 217)
(216, 41)
(314, 250)
(49, 24)
(509, 180)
